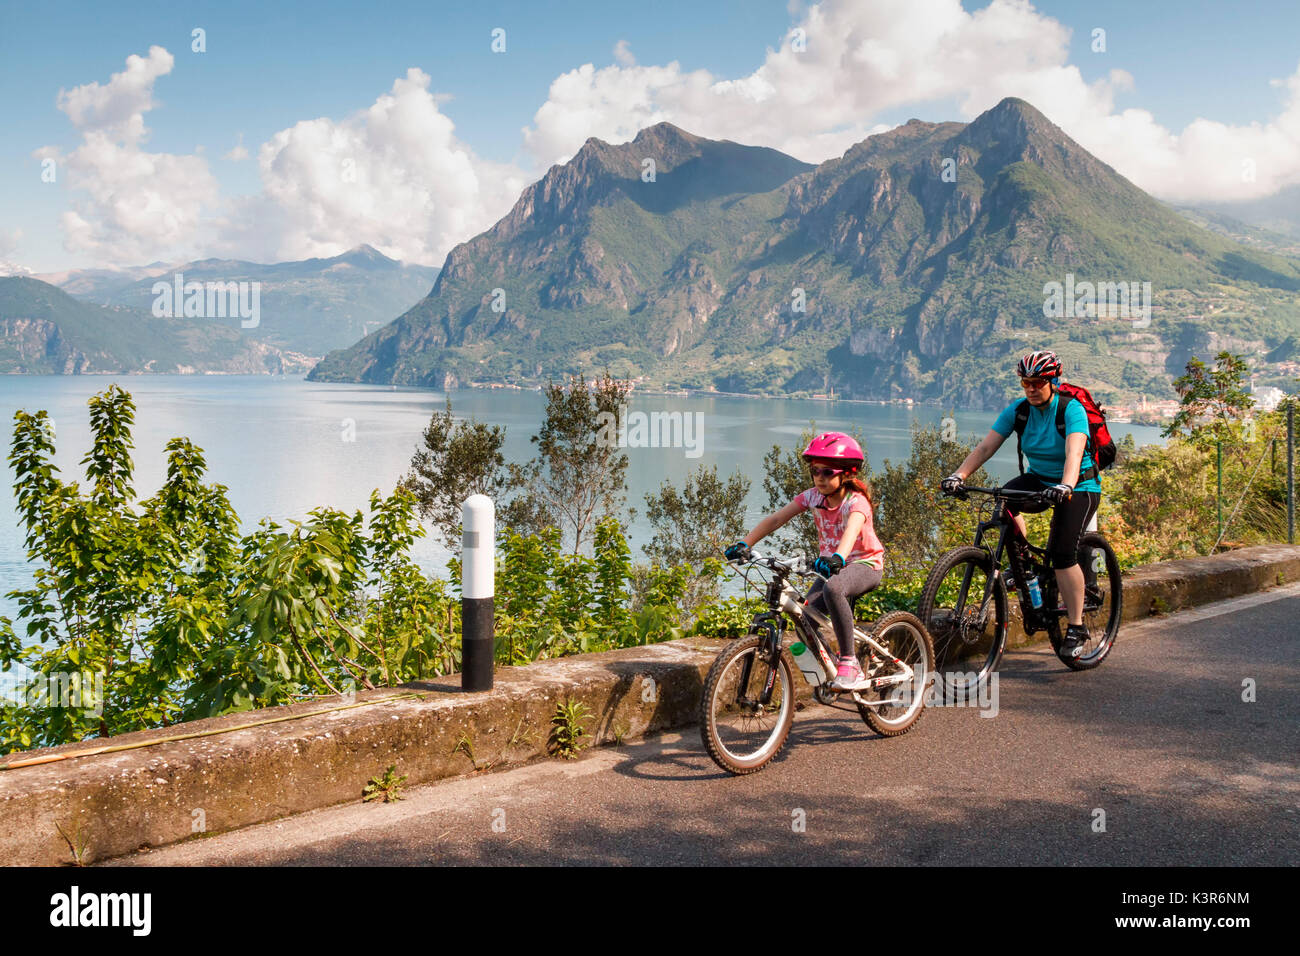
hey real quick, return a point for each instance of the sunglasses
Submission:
(1033, 382)
(825, 472)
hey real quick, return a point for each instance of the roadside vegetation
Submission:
(148, 612)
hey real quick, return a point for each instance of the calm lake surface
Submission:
(284, 446)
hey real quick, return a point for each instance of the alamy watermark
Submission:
(952, 689)
(129, 910)
(1116, 300)
(69, 690)
(626, 429)
(209, 300)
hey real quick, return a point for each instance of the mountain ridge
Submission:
(920, 258)
(309, 306)
(47, 331)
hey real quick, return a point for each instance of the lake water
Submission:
(284, 446)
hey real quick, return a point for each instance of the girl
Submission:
(851, 556)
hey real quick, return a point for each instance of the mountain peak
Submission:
(666, 132)
(1014, 104)
(1014, 118)
(366, 252)
(663, 140)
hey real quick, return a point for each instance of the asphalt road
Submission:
(1158, 739)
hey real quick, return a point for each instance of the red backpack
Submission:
(1100, 445)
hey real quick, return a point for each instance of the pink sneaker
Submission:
(849, 676)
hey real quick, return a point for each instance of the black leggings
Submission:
(1068, 519)
(839, 592)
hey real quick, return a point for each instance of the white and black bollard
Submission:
(477, 567)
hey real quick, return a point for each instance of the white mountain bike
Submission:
(749, 695)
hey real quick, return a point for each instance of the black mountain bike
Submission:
(964, 603)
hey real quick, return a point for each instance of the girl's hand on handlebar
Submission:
(738, 552)
(828, 566)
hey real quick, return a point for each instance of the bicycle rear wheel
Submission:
(1103, 604)
(965, 611)
(904, 636)
(740, 733)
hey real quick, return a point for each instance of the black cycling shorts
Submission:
(1068, 519)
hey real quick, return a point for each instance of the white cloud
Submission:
(1207, 161)
(129, 204)
(396, 175)
(9, 240)
(238, 153)
(858, 60)
(863, 59)
(117, 109)
(393, 175)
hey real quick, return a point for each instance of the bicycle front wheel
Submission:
(742, 733)
(1103, 603)
(964, 608)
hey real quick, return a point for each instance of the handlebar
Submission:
(780, 565)
(1016, 494)
(1010, 494)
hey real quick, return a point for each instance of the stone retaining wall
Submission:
(306, 756)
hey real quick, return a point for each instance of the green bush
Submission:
(729, 618)
(168, 615)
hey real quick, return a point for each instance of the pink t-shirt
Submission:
(831, 523)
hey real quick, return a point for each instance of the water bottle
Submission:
(807, 663)
(1035, 592)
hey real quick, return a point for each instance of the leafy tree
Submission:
(914, 521)
(123, 602)
(579, 472)
(699, 521)
(693, 526)
(145, 614)
(1213, 402)
(613, 570)
(459, 459)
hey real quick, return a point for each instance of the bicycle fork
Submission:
(770, 650)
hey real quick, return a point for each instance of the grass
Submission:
(466, 746)
(567, 731)
(77, 844)
(386, 788)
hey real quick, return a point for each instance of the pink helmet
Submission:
(836, 446)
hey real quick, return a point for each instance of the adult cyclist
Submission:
(1055, 466)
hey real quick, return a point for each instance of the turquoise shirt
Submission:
(1042, 444)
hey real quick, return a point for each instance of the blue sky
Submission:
(269, 66)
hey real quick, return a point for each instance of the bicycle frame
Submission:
(1033, 618)
(784, 599)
